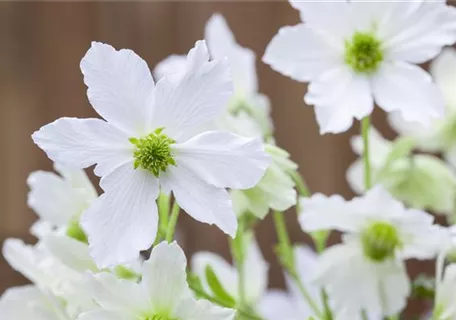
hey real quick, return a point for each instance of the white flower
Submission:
(419, 180)
(163, 292)
(59, 201)
(255, 273)
(353, 53)
(276, 190)
(28, 302)
(144, 147)
(367, 271)
(441, 136)
(445, 302)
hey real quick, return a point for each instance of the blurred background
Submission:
(41, 45)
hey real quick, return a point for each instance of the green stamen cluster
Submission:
(157, 317)
(380, 240)
(153, 152)
(363, 53)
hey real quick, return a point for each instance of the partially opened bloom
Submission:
(354, 53)
(367, 271)
(146, 144)
(421, 181)
(441, 135)
(163, 292)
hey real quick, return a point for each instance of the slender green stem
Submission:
(395, 317)
(287, 259)
(238, 247)
(172, 222)
(365, 124)
(300, 183)
(327, 310)
(163, 208)
(364, 315)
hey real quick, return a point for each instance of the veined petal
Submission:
(221, 43)
(199, 97)
(123, 221)
(164, 277)
(300, 53)
(81, 143)
(202, 201)
(172, 66)
(223, 159)
(339, 95)
(192, 309)
(443, 69)
(103, 315)
(409, 90)
(78, 179)
(120, 86)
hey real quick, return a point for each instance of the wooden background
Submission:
(41, 45)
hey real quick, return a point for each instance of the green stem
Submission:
(172, 222)
(163, 208)
(238, 249)
(327, 310)
(365, 124)
(287, 259)
(300, 183)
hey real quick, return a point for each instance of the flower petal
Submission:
(81, 143)
(122, 221)
(120, 86)
(164, 276)
(223, 159)
(199, 97)
(300, 53)
(443, 70)
(221, 43)
(409, 90)
(339, 95)
(277, 304)
(192, 309)
(199, 199)
(256, 273)
(102, 315)
(172, 66)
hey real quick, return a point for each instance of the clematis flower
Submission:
(146, 144)
(441, 135)
(59, 200)
(163, 292)
(367, 271)
(421, 181)
(353, 53)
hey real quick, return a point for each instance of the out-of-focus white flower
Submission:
(255, 273)
(445, 302)
(276, 190)
(421, 181)
(147, 144)
(59, 200)
(354, 53)
(367, 271)
(28, 302)
(441, 135)
(163, 292)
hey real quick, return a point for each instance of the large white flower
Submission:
(354, 53)
(367, 271)
(145, 145)
(445, 302)
(441, 136)
(59, 200)
(255, 270)
(421, 181)
(163, 292)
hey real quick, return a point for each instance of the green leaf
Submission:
(401, 147)
(217, 288)
(194, 282)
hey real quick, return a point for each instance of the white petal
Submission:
(164, 276)
(443, 69)
(122, 221)
(355, 176)
(395, 285)
(199, 97)
(420, 34)
(81, 143)
(200, 200)
(119, 295)
(223, 159)
(225, 272)
(103, 315)
(120, 86)
(191, 309)
(54, 199)
(409, 90)
(221, 43)
(339, 96)
(379, 147)
(277, 304)
(306, 264)
(172, 66)
(256, 273)
(300, 53)
(78, 179)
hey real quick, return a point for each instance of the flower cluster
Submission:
(196, 135)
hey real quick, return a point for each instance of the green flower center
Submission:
(157, 317)
(380, 240)
(153, 152)
(75, 231)
(363, 53)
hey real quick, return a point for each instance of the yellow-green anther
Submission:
(363, 52)
(380, 241)
(153, 152)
